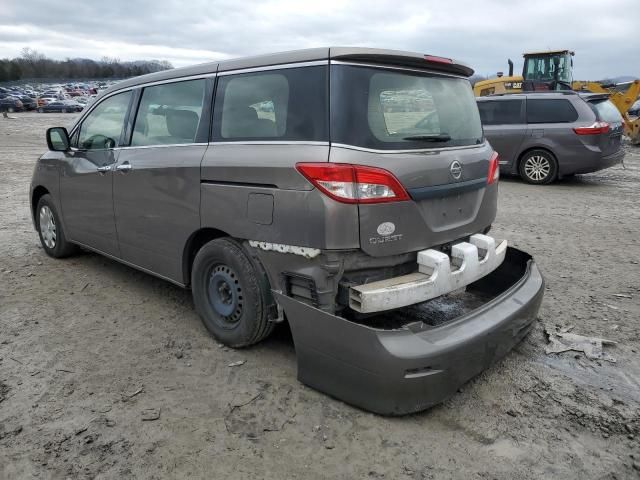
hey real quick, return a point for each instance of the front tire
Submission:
(230, 294)
(50, 230)
(538, 167)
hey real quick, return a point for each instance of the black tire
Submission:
(230, 294)
(538, 167)
(57, 247)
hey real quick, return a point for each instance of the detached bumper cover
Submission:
(396, 372)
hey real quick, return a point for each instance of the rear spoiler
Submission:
(596, 97)
(401, 59)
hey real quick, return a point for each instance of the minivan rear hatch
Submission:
(423, 127)
(610, 142)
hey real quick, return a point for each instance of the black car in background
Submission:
(61, 107)
(28, 102)
(11, 104)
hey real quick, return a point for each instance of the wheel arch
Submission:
(36, 195)
(530, 148)
(194, 243)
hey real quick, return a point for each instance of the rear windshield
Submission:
(606, 111)
(392, 109)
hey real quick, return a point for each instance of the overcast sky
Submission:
(484, 33)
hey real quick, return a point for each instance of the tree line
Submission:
(32, 64)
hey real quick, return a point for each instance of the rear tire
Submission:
(50, 230)
(538, 167)
(230, 294)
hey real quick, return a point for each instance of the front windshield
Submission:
(395, 109)
(542, 67)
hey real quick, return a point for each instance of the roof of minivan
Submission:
(551, 94)
(354, 54)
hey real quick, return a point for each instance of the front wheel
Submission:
(230, 294)
(50, 230)
(538, 167)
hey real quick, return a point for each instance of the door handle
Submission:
(124, 168)
(104, 168)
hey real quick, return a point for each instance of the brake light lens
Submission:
(494, 169)
(431, 58)
(595, 129)
(354, 183)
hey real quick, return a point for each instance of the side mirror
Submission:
(58, 139)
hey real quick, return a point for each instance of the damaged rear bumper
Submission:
(410, 369)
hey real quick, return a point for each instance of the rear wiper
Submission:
(438, 137)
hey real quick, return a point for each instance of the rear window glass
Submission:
(288, 104)
(500, 112)
(606, 111)
(550, 111)
(389, 109)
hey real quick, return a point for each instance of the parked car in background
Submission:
(634, 111)
(545, 136)
(59, 106)
(41, 101)
(28, 102)
(11, 104)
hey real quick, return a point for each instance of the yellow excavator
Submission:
(553, 70)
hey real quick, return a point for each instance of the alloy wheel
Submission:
(537, 167)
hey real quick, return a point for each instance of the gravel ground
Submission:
(107, 372)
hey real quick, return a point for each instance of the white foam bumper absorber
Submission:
(437, 275)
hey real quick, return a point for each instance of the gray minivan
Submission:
(549, 135)
(347, 190)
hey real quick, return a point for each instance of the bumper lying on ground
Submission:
(410, 369)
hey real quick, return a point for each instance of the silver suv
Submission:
(545, 136)
(346, 190)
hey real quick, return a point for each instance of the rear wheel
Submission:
(50, 230)
(538, 167)
(230, 294)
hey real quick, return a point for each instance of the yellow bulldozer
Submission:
(553, 70)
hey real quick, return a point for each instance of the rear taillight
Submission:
(354, 183)
(494, 169)
(595, 129)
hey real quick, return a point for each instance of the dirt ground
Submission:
(106, 372)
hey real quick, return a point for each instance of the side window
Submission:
(500, 112)
(169, 114)
(550, 111)
(103, 126)
(288, 104)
